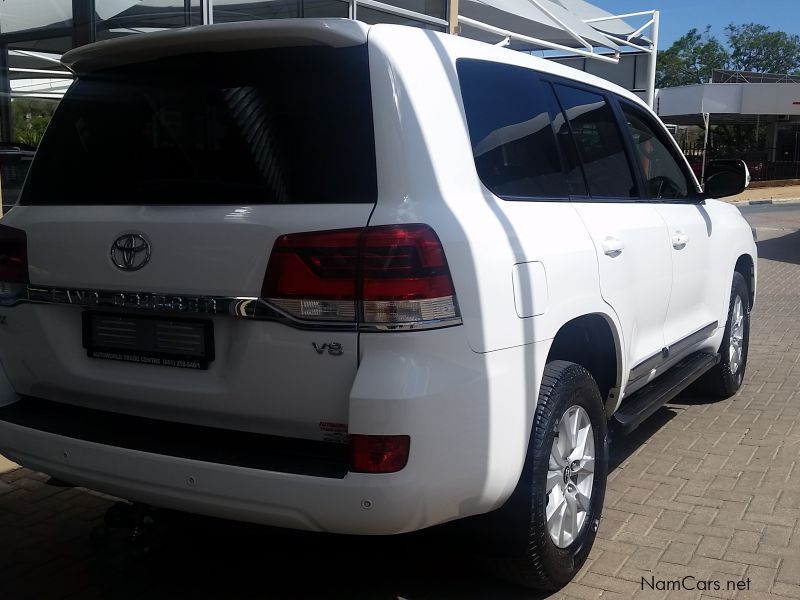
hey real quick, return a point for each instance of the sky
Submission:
(678, 16)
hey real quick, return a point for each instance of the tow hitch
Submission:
(129, 533)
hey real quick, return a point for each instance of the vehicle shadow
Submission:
(785, 248)
(623, 446)
(199, 557)
(185, 555)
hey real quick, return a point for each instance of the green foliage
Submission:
(733, 140)
(691, 59)
(756, 48)
(30, 118)
(750, 47)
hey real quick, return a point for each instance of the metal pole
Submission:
(6, 126)
(651, 75)
(187, 12)
(207, 7)
(707, 122)
(536, 41)
(83, 22)
(452, 17)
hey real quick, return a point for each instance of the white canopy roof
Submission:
(569, 26)
(584, 10)
(544, 19)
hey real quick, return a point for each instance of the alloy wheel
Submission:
(735, 348)
(570, 476)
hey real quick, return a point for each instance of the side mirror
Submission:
(726, 178)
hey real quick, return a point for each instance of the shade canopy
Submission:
(42, 27)
(545, 20)
(584, 10)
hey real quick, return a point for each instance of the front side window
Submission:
(599, 143)
(664, 178)
(510, 130)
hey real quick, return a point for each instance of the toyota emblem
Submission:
(130, 252)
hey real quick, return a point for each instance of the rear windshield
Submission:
(277, 126)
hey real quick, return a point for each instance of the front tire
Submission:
(725, 379)
(556, 508)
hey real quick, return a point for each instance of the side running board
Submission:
(644, 402)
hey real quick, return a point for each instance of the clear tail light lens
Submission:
(391, 276)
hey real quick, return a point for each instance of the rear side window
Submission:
(276, 126)
(599, 143)
(511, 130)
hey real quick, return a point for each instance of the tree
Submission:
(755, 48)
(691, 59)
(31, 117)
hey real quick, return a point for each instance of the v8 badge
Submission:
(333, 348)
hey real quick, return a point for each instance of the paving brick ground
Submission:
(703, 491)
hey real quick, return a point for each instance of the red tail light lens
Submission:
(379, 453)
(313, 275)
(13, 256)
(405, 277)
(392, 275)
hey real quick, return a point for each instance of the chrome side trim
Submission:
(655, 361)
(647, 365)
(693, 338)
(241, 307)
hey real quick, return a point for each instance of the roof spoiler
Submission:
(226, 37)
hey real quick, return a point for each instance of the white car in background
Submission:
(364, 280)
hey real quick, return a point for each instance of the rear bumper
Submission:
(240, 493)
(468, 416)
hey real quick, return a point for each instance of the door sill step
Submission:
(646, 401)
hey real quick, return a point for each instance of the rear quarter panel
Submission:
(426, 174)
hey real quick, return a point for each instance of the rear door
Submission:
(629, 235)
(694, 302)
(159, 190)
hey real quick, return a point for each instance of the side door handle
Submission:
(679, 240)
(612, 246)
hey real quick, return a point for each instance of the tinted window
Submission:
(511, 131)
(599, 143)
(664, 178)
(282, 126)
(575, 180)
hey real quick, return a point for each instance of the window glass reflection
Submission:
(599, 143)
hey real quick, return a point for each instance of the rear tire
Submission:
(546, 529)
(725, 379)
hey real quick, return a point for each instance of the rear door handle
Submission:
(613, 246)
(679, 240)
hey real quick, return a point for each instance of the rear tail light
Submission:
(391, 276)
(378, 453)
(13, 261)
(312, 276)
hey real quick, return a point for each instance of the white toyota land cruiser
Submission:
(333, 277)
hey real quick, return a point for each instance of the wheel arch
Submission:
(593, 341)
(746, 267)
